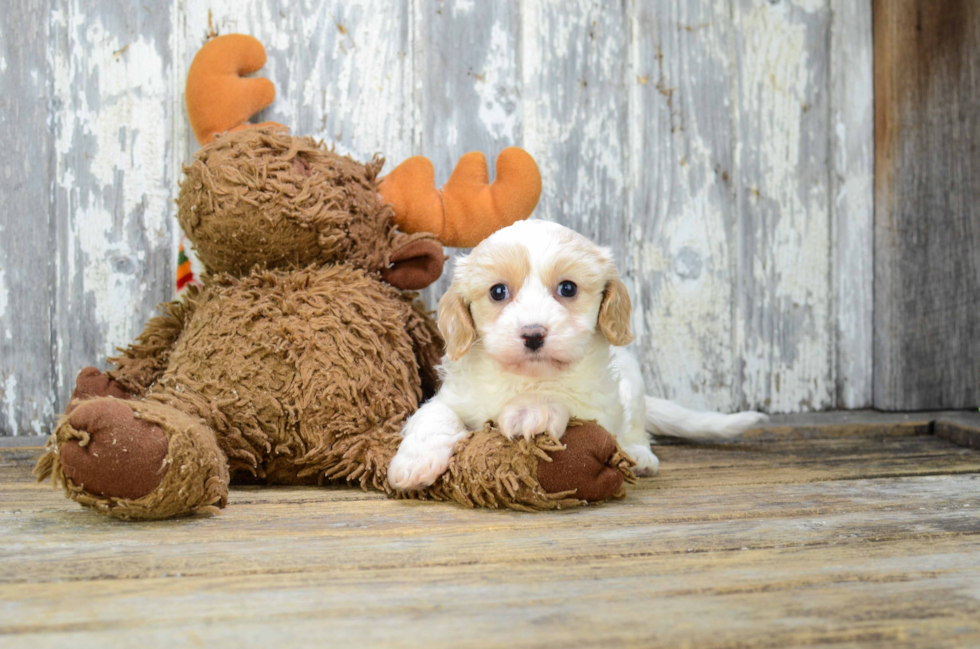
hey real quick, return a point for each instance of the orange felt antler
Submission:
(469, 208)
(218, 97)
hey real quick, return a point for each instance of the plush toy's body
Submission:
(317, 387)
(335, 359)
(298, 360)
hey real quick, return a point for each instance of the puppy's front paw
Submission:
(527, 419)
(419, 463)
(647, 463)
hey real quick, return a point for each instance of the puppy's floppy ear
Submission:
(614, 313)
(456, 324)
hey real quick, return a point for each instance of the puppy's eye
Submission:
(567, 289)
(499, 292)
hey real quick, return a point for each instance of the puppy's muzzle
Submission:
(534, 336)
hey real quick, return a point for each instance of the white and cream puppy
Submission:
(535, 323)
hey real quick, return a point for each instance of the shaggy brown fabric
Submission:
(244, 203)
(143, 362)
(488, 470)
(306, 358)
(196, 479)
(428, 346)
(295, 362)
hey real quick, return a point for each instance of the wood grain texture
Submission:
(722, 150)
(783, 324)
(28, 377)
(342, 70)
(927, 225)
(87, 245)
(852, 198)
(467, 87)
(961, 428)
(851, 539)
(575, 115)
(682, 215)
(114, 181)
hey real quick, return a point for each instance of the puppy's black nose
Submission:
(533, 336)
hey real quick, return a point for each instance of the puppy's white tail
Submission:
(668, 418)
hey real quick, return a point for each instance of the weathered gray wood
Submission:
(575, 122)
(87, 234)
(690, 127)
(342, 70)
(849, 540)
(821, 425)
(681, 148)
(720, 149)
(114, 181)
(961, 428)
(27, 260)
(784, 326)
(852, 198)
(467, 63)
(467, 79)
(927, 192)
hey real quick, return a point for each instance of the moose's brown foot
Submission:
(489, 470)
(91, 383)
(591, 464)
(137, 460)
(112, 452)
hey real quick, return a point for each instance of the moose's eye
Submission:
(567, 289)
(499, 292)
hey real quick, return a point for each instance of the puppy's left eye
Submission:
(567, 289)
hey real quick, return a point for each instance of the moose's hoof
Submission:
(123, 456)
(586, 464)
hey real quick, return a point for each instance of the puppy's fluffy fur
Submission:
(537, 356)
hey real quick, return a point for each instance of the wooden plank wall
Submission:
(722, 149)
(927, 204)
(88, 113)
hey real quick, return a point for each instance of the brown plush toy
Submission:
(303, 354)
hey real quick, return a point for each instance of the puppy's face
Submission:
(535, 297)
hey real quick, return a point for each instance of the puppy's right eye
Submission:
(499, 292)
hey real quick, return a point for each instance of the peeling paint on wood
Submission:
(682, 201)
(852, 198)
(783, 327)
(467, 59)
(99, 182)
(720, 149)
(27, 375)
(113, 184)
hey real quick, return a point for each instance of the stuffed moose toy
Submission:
(305, 350)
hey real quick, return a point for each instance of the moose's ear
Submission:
(414, 265)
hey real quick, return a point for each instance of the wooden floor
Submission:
(829, 532)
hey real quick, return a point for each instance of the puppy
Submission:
(535, 323)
